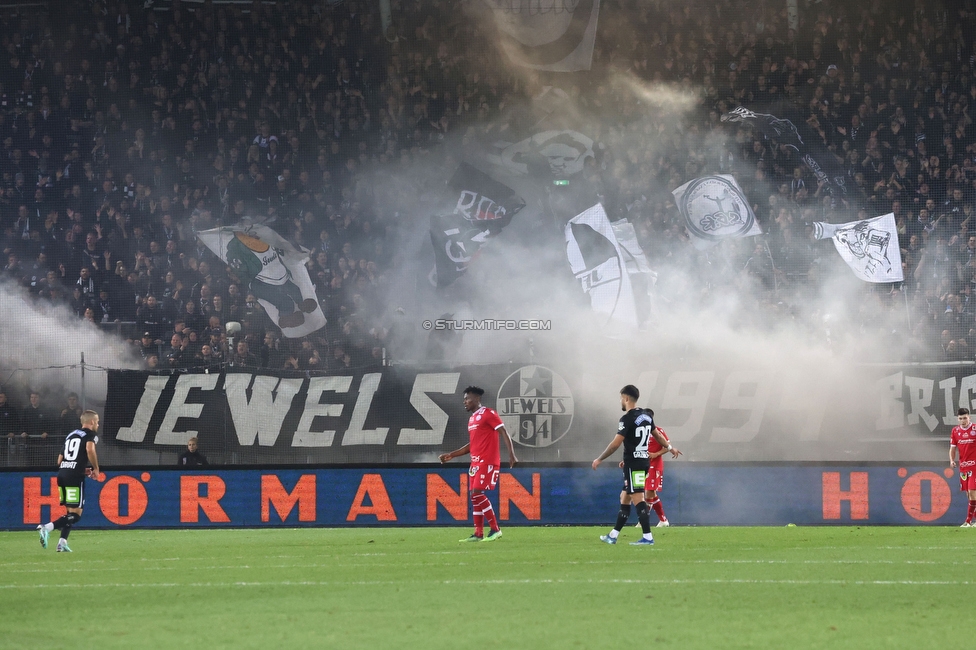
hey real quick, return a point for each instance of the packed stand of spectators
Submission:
(125, 128)
(888, 87)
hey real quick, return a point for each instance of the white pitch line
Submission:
(689, 550)
(335, 565)
(141, 560)
(367, 583)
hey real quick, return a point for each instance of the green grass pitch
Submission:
(878, 587)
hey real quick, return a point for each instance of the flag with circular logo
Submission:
(715, 208)
(553, 35)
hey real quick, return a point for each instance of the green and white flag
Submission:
(273, 269)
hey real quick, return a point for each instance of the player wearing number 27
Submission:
(484, 429)
(73, 466)
(963, 442)
(635, 430)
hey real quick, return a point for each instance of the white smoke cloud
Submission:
(708, 317)
(797, 355)
(41, 346)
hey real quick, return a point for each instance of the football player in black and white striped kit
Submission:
(77, 460)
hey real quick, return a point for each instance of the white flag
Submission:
(870, 247)
(274, 271)
(599, 263)
(553, 35)
(640, 272)
(715, 208)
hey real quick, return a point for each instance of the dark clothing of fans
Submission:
(193, 459)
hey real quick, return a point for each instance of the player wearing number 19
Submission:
(73, 466)
(634, 431)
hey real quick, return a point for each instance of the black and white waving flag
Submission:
(484, 201)
(548, 154)
(456, 242)
(870, 247)
(715, 208)
(484, 206)
(799, 136)
(553, 35)
(600, 264)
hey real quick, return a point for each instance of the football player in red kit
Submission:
(963, 443)
(484, 429)
(655, 476)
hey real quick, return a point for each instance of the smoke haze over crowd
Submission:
(798, 354)
(763, 329)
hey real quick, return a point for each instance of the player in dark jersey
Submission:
(655, 476)
(634, 431)
(76, 461)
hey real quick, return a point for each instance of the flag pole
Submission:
(908, 311)
(772, 264)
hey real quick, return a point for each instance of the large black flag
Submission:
(456, 241)
(483, 200)
(483, 208)
(797, 135)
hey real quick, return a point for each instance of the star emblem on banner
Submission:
(540, 382)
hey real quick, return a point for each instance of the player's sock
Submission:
(622, 515)
(477, 508)
(489, 513)
(481, 501)
(613, 533)
(658, 508)
(49, 526)
(644, 517)
(66, 520)
(72, 519)
(971, 515)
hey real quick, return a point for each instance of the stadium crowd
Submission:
(126, 127)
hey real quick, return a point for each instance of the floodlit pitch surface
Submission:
(534, 588)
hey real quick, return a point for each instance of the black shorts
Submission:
(71, 490)
(634, 478)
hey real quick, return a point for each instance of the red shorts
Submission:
(967, 480)
(654, 480)
(482, 476)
